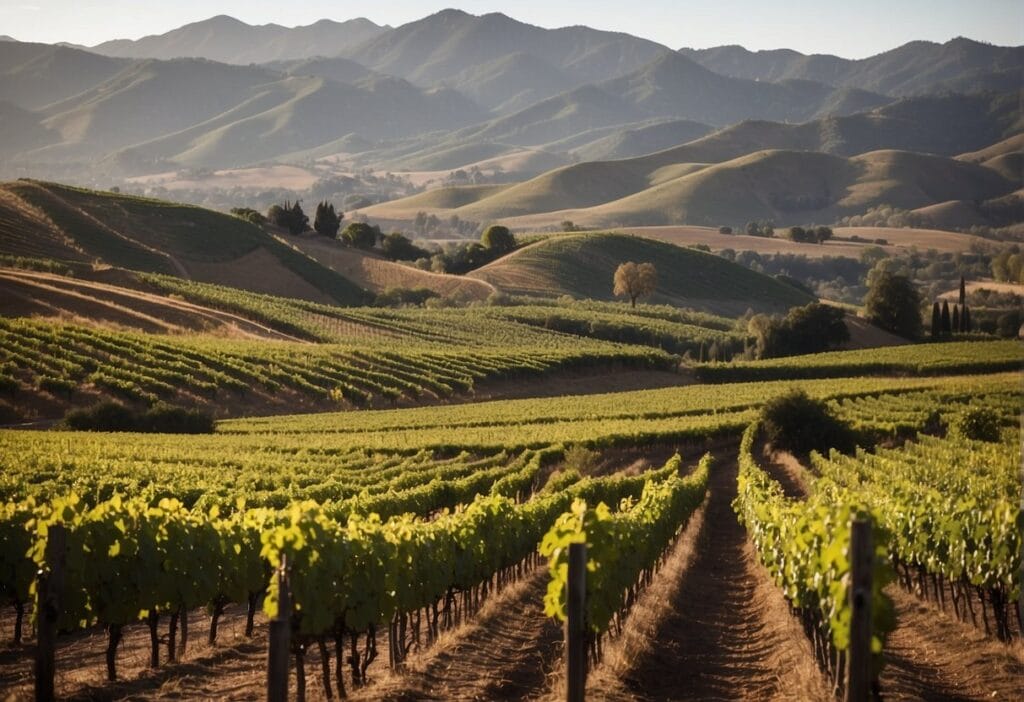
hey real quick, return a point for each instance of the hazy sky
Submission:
(847, 28)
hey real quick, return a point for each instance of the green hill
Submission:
(49, 220)
(785, 186)
(583, 265)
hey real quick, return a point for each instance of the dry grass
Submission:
(278, 176)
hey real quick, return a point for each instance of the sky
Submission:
(845, 28)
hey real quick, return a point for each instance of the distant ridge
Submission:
(915, 68)
(228, 40)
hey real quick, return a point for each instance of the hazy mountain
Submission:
(229, 40)
(35, 75)
(201, 113)
(31, 134)
(512, 82)
(626, 143)
(4, 37)
(340, 69)
(452, 47)
(912, 69)
(944, 125)
(675, 86)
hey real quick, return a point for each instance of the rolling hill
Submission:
(228, 40)
(48, 220)
(583, 266)
(788, 187)
(915, 68)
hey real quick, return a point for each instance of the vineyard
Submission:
(353, 516)
(399, 527)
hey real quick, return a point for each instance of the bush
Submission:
(977, 423)
(106, 416)
(113, 416)
(581, 460)
(498, 239)
(168, 419)
(797, 423)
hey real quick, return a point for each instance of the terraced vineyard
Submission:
(65, 360)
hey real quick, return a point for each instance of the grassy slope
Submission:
(584, 265)
(789, 187)
(161, 237)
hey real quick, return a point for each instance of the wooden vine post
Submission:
(576, 624)
(858, 681)
(280, 632)
(50, 585)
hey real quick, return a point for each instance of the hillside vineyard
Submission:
(475, 358)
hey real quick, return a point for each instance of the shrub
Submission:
(114, 416)
(498, 239)
(105, 416)
(168, 419)
(977, 423)
(581, 460)
(800, 424)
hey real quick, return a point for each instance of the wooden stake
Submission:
(858, 683)
(51, 585)
(576, 625)
(280, 631)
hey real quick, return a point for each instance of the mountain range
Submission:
(454, 90)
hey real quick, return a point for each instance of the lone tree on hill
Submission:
(893, 303)
(327, 222)
(635, 280)
(360, 235)
(498, 239)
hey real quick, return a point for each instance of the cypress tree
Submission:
(936, 321)
(956, 319)
(965, 320)
(947, 328)
(963, 292)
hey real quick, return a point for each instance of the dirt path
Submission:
(932, 656)
(507, 652)
(726, 633)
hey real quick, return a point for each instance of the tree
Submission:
(327, 222)
(965, 320)
(809, 329)
(963, 291)
(635, 280)
(249, 215)
(498, 239)
(956, 319)
(397, 247)
(289, 216)
(298, 222)
(823, 234)
(893, 303)
(936, 327)
(725, 230)
(360, 235)
(947, 326)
